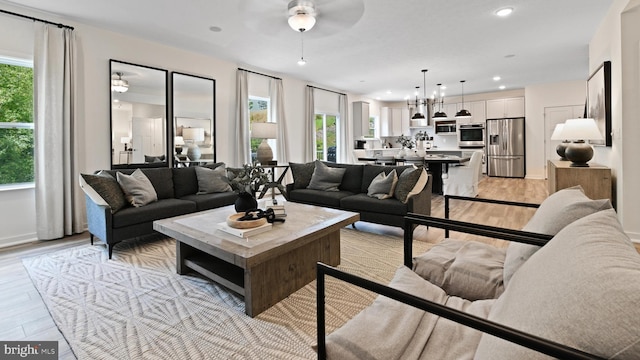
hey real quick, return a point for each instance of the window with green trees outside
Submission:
(16, 122)
(326, 137)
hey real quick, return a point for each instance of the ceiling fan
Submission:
(271, 17)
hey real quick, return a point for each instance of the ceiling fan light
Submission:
(302, 62)
(302, 22)
(119, 85)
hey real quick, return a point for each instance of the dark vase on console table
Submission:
(245, 201)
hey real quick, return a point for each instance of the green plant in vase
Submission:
(246, 181)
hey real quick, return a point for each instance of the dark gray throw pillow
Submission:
(406, 182)
(302, 174)
(212, 180)
(383, 185)
(326, 178)
(107, 188)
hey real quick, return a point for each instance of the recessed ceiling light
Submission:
(389, 92)
(215, 28)
(496, 78)
(504, 12)
(509, 56)
(502, 87)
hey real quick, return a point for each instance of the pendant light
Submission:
(424, 102)
(117, 84)
(440, 114)
(463, 113)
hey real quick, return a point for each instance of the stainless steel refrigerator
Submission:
(505, 147)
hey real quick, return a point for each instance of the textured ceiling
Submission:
(368, 47)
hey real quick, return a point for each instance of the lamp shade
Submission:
(193, 134)
(580, 129)
(178, 140)
(557, 132)
(265, 130)
(125, 140)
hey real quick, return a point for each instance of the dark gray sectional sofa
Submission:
(176, 189)
(352, 194)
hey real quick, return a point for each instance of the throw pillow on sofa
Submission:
(302, 174)
(326, 178)
(582, 289)
(557, 211)
(410, 182)
(383, 185)
(104, 190)
(137, 188)
(212, 180)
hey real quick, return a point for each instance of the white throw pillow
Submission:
(137, 188)
(382, 185)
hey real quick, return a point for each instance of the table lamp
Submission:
(178, 141)
(193, 135)
(579, 152)
(562, 147)
(125, 141)
(264, 131)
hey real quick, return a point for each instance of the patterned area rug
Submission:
(136, 306)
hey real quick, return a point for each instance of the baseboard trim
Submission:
(18, 240)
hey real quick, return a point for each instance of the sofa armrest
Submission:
(420, 203)
(466, 227)
(522, 338)
(99, 220)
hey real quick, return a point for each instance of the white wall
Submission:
(618, 42)
(537, 98)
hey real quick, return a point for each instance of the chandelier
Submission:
(119, 85)
(420, 103)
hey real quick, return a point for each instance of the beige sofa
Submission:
(575, 297)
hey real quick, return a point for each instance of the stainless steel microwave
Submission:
(443, 127)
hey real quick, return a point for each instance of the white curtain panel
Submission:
(345, 147)
(59, 200)
(276, 93)
(243, 155)
(309, 125)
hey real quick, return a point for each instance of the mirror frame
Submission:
(193, 117)
(114, 145)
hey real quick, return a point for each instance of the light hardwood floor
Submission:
(25, 316)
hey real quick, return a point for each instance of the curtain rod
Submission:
(257, 73)
(36, 19)
(315, 87)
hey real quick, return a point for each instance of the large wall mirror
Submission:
(194, 122)
(138, 116)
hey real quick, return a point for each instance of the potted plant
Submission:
(246, 181)
(405, 142)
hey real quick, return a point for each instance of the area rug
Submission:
(136, 306)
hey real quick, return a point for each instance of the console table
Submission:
(594, 179)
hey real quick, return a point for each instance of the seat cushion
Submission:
(318, 197)
(557, 211)
(155, 211)
(212, 201)
(582, 289)
(362, 202)
(388, 329)
(468, 269)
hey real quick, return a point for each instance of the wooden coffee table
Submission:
(267, 267)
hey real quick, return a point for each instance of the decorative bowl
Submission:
(232, 220)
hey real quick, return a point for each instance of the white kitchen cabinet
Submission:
(360, 119)
(394, 121)
(505, 108)
(477, 110)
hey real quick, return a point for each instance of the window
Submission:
(259, 110)
(16, 122)
(326, 137)
(372, 127)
